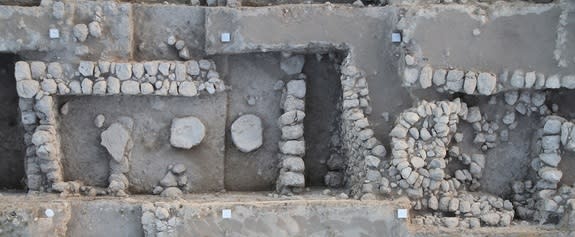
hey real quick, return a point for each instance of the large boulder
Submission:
(293, 64)
(247, 133)
(187, 132)
(117, 141)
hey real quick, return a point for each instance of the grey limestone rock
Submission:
(247, 133)
(187, 132)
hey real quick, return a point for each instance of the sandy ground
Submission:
(253, 214)
(150, 39)
(522, 41)
(85, 159)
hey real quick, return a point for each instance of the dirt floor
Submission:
(527, 40)
(12, 148)
(86, 160)
(321, 124)
(253, 76)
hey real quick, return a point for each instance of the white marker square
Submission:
(402, 213)
(226, 213)
(226, 37)
(54, 33)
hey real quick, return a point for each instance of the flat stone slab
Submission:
(247, 133)
(116, 139)
(187, 132)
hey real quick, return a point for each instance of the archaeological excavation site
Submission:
(287, 118)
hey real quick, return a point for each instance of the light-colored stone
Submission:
(27, 88)
(292, 132)
(146, 88)
(439, 77)
(138, 70)
(193, 68)
(87, 86)
(550, 174)
(22, 71)
(517, 79)
(568, 82)
(291, 179)
(293, 147)
(486, 83)
(76, 87)
(470, 83)
(425, 77)
(116, 139)
(86, 68)
(454, 80)
(130, 87)
(247, 133)
(473, 114)
(188, 88)
(151, 68)
(113, 85)
(180, 71)
(95, 29)
(171, 192)
(50, 86)
(530, 78)
(552, 126)
(410, 75)
(187, 132)
(296, 88)
(99, 87)
(551, 159)
(123, 71)
(55, 70)
(293, 163)
(553, 82)
(291, 117)
(293, 64)
(99, 120)
(38, 70)
(80, 32)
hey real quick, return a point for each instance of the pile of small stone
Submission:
(546, 200)
(480, 83)
(525, 103)
(180, 45)
(419, 146)
(292, 143)
(160, 219)
(117, 139)
(174, 183)
(364, 152)
(81, 31)
(467, 210)
(486, 132)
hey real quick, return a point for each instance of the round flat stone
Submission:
(187, 132)
(247, 133)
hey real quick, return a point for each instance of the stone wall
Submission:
(39, 83)
(480, 83)
(363, 151)
(546, 198)
(291, 178)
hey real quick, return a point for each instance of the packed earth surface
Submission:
(287, 118)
